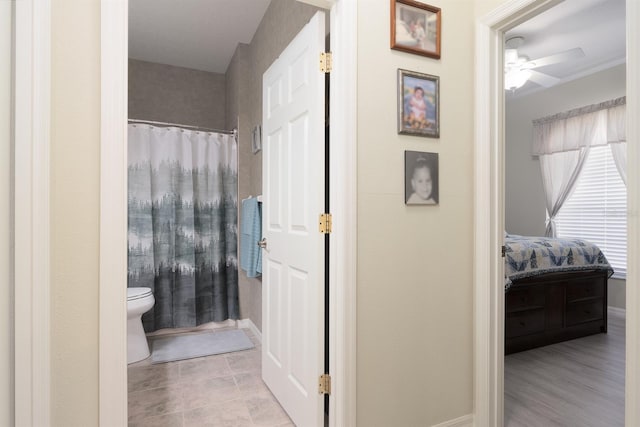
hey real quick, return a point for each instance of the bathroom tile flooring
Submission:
(220, 390)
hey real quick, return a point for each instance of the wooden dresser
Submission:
(555, 307)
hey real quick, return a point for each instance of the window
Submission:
(597, 209)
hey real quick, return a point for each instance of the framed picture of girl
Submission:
(415, 28)
(420, 178)
(418, 104)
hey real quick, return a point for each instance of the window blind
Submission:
(597, 209)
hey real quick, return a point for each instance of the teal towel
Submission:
(251, 233)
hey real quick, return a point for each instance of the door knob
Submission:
(263, 243)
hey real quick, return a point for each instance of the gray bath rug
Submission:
(181, 347)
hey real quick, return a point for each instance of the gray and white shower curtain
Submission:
(182, 230)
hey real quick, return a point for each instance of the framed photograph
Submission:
(256, 139)
(415, 28)
(420, 178)
(418, 104)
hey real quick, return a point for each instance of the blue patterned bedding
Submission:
(530, 256)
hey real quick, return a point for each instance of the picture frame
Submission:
(256, 139)
(416, 28)
(418, 104)
(421, 178)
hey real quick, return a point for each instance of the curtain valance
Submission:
(583, 127)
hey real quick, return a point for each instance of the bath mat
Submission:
(181, 347)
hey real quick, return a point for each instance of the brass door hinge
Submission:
(324, 386)
(326, 62)
(325, 223)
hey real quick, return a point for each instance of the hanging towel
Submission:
(251, 233)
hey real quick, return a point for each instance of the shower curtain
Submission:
(182, 212)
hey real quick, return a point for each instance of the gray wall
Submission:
(165, 93)
(282, 21)
(525, 207)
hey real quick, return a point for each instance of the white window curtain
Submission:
(560, 172)
(562, 142)
(617, 138)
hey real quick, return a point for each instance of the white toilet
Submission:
(139, 301)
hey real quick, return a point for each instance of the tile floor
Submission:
(223, 390)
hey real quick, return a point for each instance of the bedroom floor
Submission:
(220, 390)
(574, 383)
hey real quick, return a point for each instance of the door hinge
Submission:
(504, 251)
(324, 386)
(326, 62)
(325, 223)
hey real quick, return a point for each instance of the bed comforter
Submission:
(530, 256)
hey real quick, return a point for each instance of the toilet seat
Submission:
(138, 293)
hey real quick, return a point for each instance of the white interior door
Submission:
(293, 198)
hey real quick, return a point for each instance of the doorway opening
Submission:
(114, 65)
(553, 322)
(490, 208)
(162, 90)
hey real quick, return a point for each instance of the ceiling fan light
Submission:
(515, 79)
(511, 56)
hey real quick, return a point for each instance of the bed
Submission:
(555, 290)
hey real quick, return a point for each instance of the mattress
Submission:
(527, 256)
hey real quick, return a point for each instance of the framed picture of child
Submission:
(418, 104)
(415, 28)
(421, 178)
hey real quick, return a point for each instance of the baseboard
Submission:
(618, 310)
(463, 421)
(248, 323)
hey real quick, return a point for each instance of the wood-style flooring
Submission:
(575, 383)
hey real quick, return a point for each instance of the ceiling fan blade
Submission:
(567, 55)
(543, 79)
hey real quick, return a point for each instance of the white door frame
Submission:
(489, 210)
(113, 233)
(31, 294)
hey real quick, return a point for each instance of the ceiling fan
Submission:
(519, 69)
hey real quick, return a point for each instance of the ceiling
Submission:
(203, 34)
(198, 34)
(596, 26)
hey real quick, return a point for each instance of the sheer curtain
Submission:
(562, 143)
(617, 138)
(560, 172)
(182, 228)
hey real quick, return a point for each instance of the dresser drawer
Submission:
(587, 311)
(524, 322)
(530, 297)
(577, 291)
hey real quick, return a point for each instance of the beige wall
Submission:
(6, 173)
(165, 93)
(525, 211)
(75, 215)
(282, 21)
(414, 290)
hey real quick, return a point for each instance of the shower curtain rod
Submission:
(164, 124)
